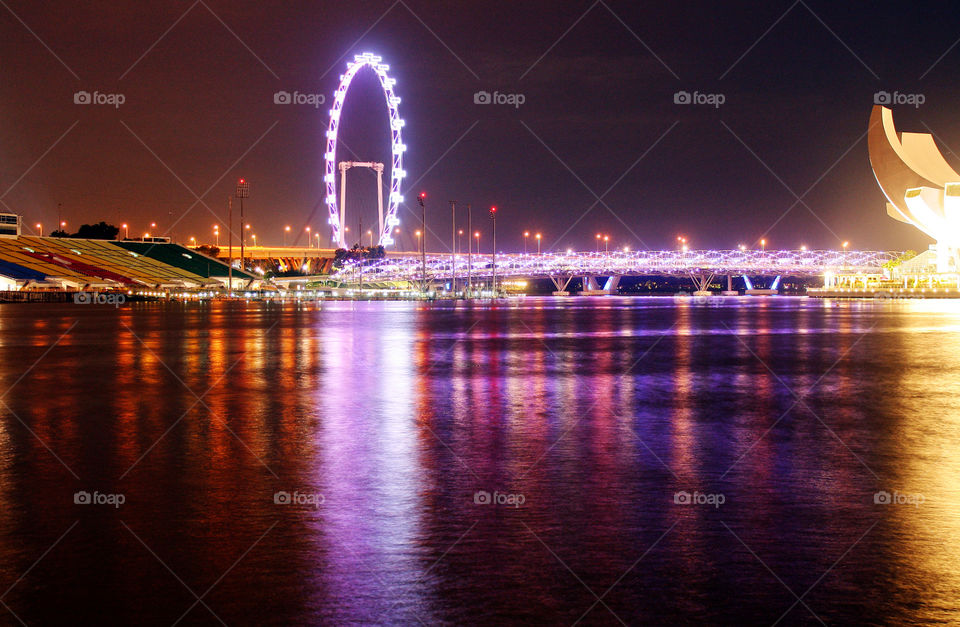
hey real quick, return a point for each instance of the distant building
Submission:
(9, 225)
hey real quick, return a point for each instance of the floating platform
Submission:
(595, 293)
(884, 294)
(561, 293)
(730, 293)
(759, 292)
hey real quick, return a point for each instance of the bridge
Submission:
(700, 265)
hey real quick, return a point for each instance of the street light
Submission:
(763, 245)
(216, 233)
(526, 234)
(126, 231)
(803, 247)
(538, 243)
(286, 230)
(309, 241)
(606, 243)
(254, 236)
(193, 240)
(845, 244)
(370, 233)
(40, 227)
(477, 235)
(598, 242)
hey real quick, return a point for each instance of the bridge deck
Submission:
(640, 263)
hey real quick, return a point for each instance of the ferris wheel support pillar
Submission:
(380, 194)
(343, 204)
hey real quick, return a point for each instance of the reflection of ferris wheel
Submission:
(396, 147)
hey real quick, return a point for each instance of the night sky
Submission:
(598, 118)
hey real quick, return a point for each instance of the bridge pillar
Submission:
(701, 283)
(612, 283)
(730, 291)
(561, 283)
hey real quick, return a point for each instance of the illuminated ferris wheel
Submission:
(396, 147)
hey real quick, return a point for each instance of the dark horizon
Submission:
(598, 81)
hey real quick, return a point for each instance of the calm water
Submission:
(585, 420)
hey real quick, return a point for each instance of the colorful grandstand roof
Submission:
(102, 262)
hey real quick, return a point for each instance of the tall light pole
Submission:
(309, 241)
(493, 216)
(606, 244)
(40, 227)
(453, 243)
(229, 245)
(598, 243)
(538, 244)
(216, 234)
(526, 234)
(763, 245)
(476, 236)
(286, 230)
(126, 231)
(423, 240)
(469, 251)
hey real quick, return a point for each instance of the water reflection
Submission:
(402, 416)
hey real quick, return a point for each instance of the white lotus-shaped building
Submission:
(921, 187)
